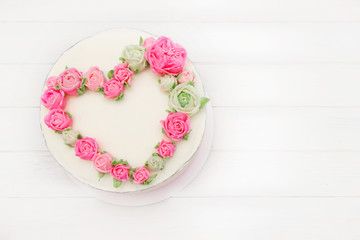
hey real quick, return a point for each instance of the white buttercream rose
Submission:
(155, 163)
(70, 136)
(167, 82)
(185, 98)
(134, 56)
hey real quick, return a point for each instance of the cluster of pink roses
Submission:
(69, 81)
(88, 149)
(54, 99)
(120, 76)
(114, 87)
(176, 127)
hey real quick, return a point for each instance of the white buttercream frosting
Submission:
(129, 128)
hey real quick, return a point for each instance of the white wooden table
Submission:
(284, 79)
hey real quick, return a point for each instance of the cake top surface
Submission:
(129, 128)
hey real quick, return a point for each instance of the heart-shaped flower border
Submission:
(166, 59)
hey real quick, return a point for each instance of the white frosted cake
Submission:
(124, 114)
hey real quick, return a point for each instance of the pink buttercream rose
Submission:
(176, 125)
(121, 172)
(94, 78)
(140, 175)
(122, 73)
(57, 120)
(52, 81)
(166, 57)
(70, 80)
(113, 88)
(186, 76)
(86, 148)
(102, 162)
(166, 149)
(148, 42)
(53, 98)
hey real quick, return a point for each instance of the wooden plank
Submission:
(226, 174)
(184, 11)
(253, 85)
(205, 42)
(213, 218)
(244, 129)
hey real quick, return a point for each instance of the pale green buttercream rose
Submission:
(167, 82)
(185, 98)
(134, 56)
(155, 163)
(70, 136)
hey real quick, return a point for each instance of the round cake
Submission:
(122, 111)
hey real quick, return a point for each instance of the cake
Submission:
(122, 111)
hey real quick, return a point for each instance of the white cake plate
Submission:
(169, 189)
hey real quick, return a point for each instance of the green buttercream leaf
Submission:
(116, 183)
(191, 83)
(163, 131)
(66, 67)
(67, 113)
(101, 175)
(69, 145)
(58, 132)
(79, 91)
(186, 137)
(79, 136)
(57, 87)
(102, 152)
(122, 59)
(150, 179)
(83, 82)
(136, 70)
(110, 74)
(203, 101)
(141, 41)
(101, 90)
(155, 154)
(178, 76)
(157, 145)
(119, 97)
(168, 111)
(114, 162)
(159, 80)
(123, 162)
(173, 86)
(67, 129)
